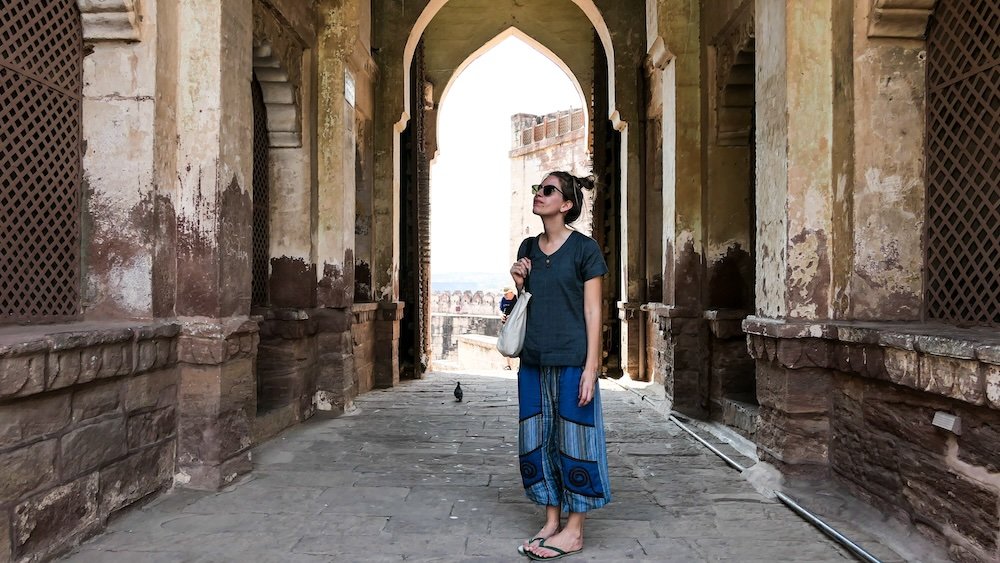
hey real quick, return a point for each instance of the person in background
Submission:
(561, 446)
(506, 306)
(507, 302)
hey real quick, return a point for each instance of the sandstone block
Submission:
(945, 346)
(332, 320)
(71, 366)
(151, 390)
(288, 329)
(26, 469)
(211, 389)
(6, 540)
(992, 376)
(803, 352)
(92, 446)
(22, 375)
(56, 518)
(868, 459)
(116, 360)
(65, 368)
(958, 379)
(211, 477)
(795, 439)
(94, 401)
(799, 391)
(387, 330)
(979, 443)
(906, 416)
(149, 355)
(902, 366)
(939, 496)
(136, 476)
(210, 440)
(151, 427)
(205, 351)
(33, 417)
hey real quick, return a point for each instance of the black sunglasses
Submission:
(546, 190)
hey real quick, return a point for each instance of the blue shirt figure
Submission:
(507, 301)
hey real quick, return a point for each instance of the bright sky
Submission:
(470, 179)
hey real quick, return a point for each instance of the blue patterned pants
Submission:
(564, 460)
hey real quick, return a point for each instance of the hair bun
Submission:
(586, 182)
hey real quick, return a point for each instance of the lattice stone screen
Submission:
(41, 57)
(261, 201)
(963, 162)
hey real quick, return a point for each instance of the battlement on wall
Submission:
(530, 132)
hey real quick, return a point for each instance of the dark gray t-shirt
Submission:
(556, 333)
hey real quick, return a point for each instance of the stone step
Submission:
(741, 412)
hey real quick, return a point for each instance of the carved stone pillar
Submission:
(387, 344)
(213, 207)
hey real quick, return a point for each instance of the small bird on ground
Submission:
(458, 391)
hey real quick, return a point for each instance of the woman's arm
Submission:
(592, 320)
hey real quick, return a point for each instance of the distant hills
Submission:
(471, 281)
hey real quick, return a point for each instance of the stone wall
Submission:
(446, 329)
(543, 144)
(363, 338)
(861, 399)
(467, 302)
(88, 425)
(285, 370)
(476, 353)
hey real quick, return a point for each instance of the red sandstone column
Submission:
(213, 207)
(802, 136)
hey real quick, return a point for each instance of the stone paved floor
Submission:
(415, 476)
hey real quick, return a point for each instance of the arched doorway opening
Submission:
(509, 113)
(587, 52)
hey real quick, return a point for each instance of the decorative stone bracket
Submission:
(902, 19)
(110, 20)
(283, 124)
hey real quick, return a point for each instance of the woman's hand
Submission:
(519, 271)
(588, 379)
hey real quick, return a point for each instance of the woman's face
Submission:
(552, 204)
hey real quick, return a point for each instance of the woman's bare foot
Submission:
(567, 540)
(543, 534)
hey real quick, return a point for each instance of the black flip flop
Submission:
(559, 553)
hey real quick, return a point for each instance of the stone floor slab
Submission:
(412, 475)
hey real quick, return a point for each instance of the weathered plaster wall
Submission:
(813, 172)
(339, 29)
(288, 69)
(214, 165)
(364, 68)
(683, 169)
(164, 269)
(770, 85)
(120, 222)
(462, 27)
(888, 184)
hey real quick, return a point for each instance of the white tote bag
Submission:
(511, 338)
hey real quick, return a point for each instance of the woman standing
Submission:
(561, 445)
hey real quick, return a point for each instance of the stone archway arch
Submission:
(283, 123)
(589, 9)
(513, 31)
